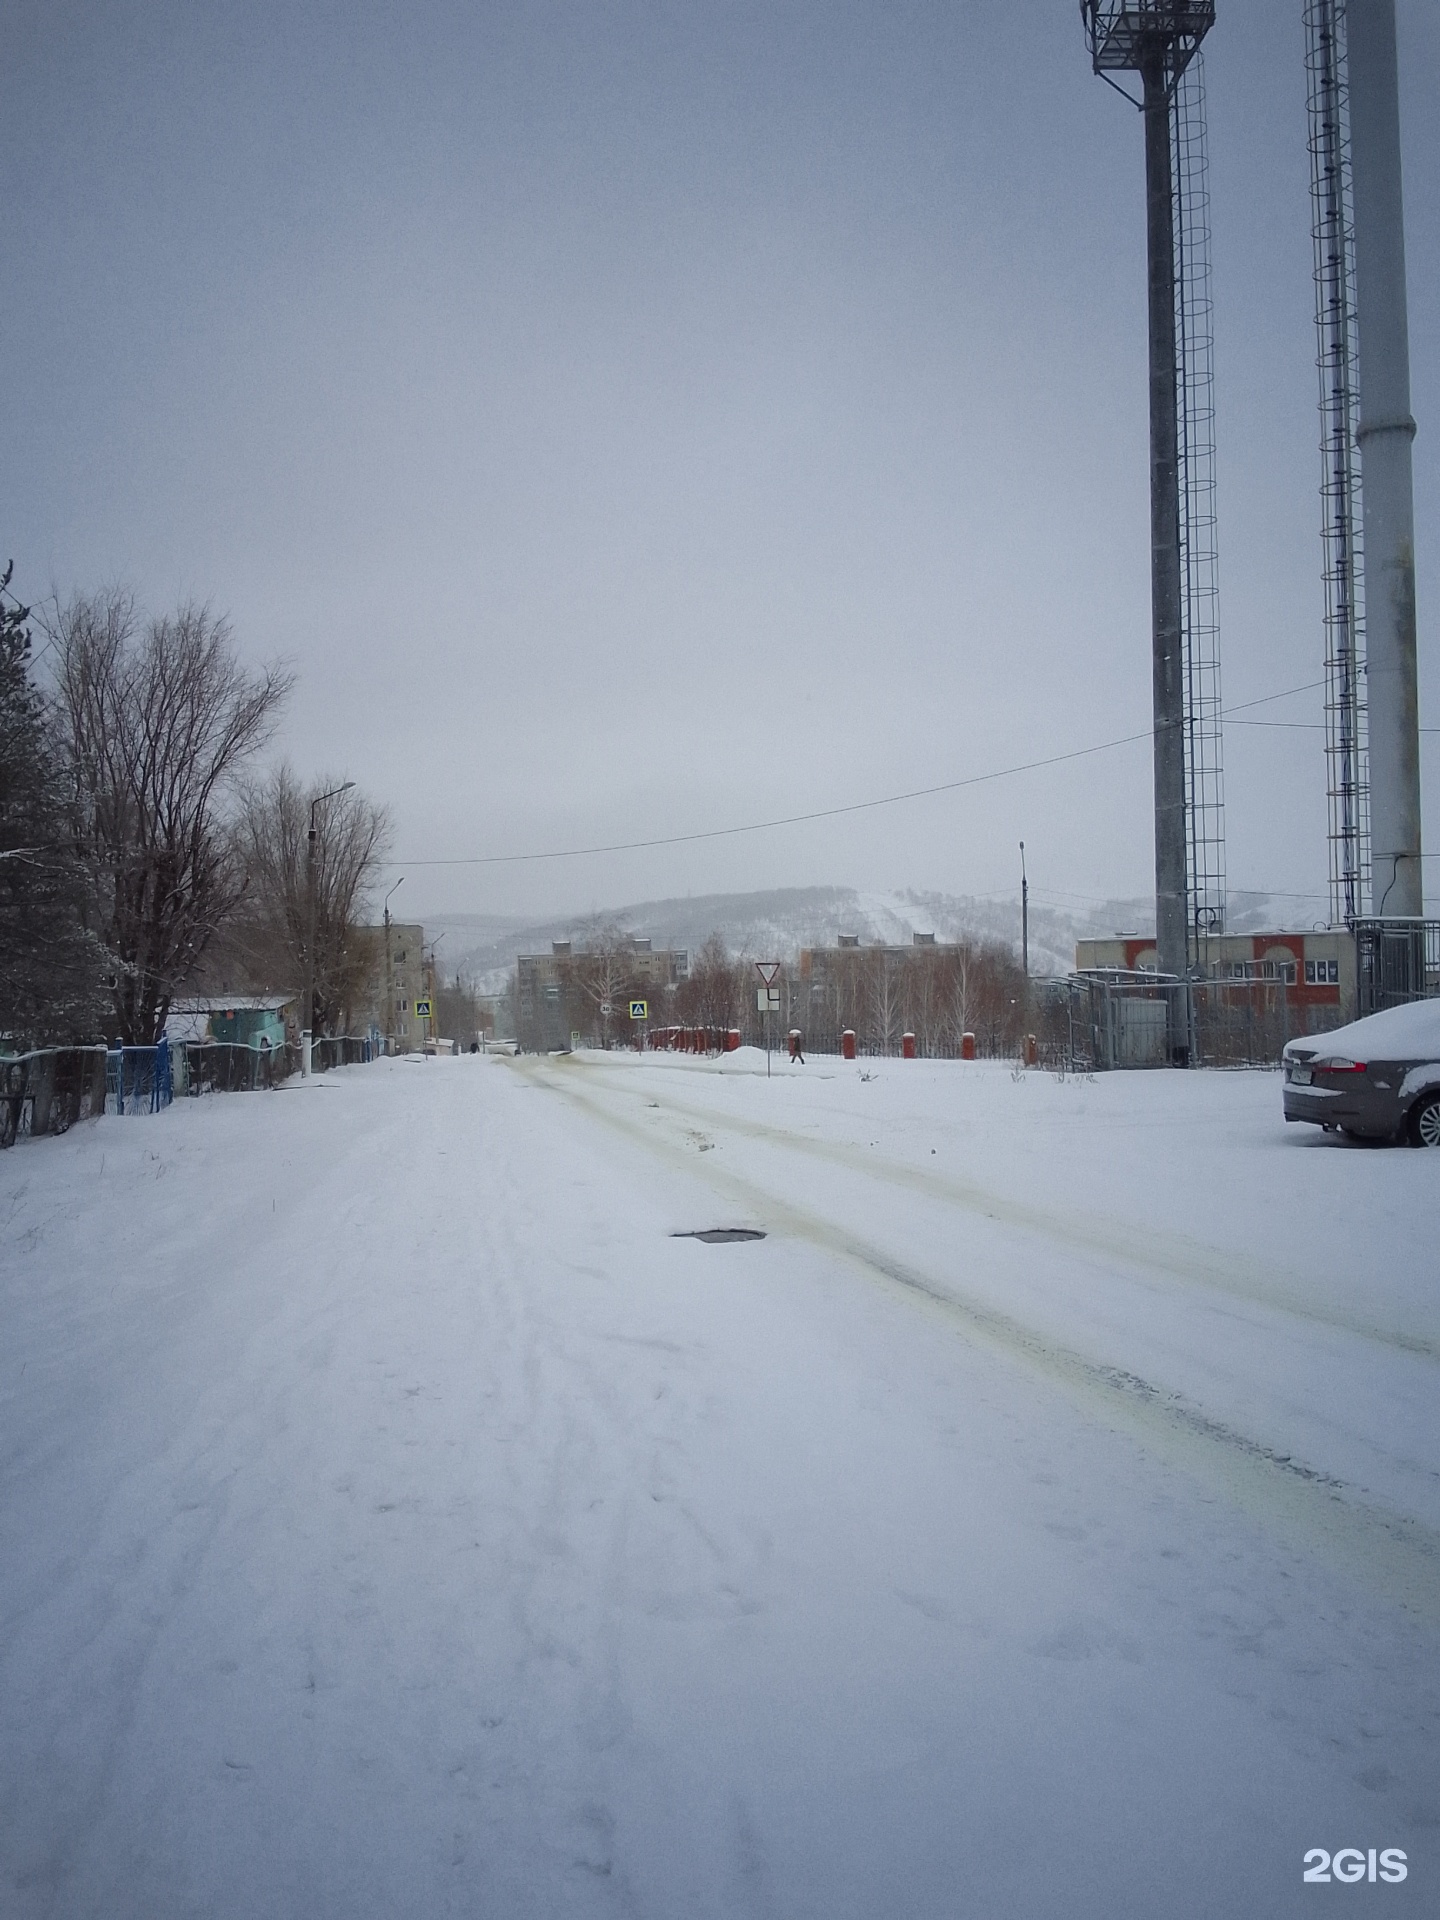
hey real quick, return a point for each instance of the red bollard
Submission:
(907, 1046)
(847, 1044)
(1032, 1051)
(967, 1046)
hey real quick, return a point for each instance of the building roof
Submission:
(234, 1003)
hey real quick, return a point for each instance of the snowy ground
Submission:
(396, 1520)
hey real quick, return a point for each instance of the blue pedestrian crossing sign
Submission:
(422, 1009)
(639, 1009)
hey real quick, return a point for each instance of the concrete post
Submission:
(1385, 432)
(1167, 661)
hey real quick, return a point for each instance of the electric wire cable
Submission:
(821, 813)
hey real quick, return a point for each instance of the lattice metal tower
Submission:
(1332, 195)
(1199, 560)
(1159, 42)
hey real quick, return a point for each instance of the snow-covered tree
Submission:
(159, 718)
(51, 965)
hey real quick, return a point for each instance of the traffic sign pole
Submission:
(769, 972)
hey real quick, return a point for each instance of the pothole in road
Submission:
(719, 1236)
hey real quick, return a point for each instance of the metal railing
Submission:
(139, 1079)
(1100, 1022)
(339, 1050)
(48, 1090)
(224, 1066)
(1396, 961)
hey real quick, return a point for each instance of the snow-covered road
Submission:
(396, 1519)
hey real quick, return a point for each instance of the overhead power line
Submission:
(819, 813)
(1303, 726)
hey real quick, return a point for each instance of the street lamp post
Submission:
(307, 1036)
(1025, 956)
(389, 974)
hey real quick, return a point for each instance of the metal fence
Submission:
(49, 1090)
(227, 1066)
(1095, 1023)
(139, 1079)
(339, 1050)
(1396, 961)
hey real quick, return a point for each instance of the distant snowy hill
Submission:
(778, 923)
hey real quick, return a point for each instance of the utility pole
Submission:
(1024, 915)
(307, 1035)
(389, 972)
(432, 976)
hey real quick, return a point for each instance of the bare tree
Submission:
(922, 998)
(958, 997)
(457, 1012)
(886, 982)
(999, 985)
(603, 970)
(269, 934)
(711, 996)
(159, 718)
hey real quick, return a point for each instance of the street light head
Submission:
(330, 794)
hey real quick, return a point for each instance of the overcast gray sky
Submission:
(635, 419)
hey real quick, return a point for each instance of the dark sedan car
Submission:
(1378, 1078)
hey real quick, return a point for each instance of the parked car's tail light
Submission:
(1340, 1066)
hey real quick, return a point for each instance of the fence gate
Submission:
(1396, 961)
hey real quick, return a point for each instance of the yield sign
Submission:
(768, 970)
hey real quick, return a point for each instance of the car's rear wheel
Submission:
(1425, 1122)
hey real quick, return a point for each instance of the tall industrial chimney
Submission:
(1385, 432)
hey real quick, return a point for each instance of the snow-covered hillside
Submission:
(777, 924)
(398, 1519)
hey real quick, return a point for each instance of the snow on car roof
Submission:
(1399, 1033)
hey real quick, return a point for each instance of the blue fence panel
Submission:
(138, 1079)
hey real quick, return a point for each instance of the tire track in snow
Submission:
(1155, 1253)
(1389, 1551)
